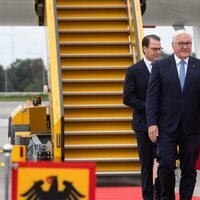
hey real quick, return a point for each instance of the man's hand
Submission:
(153, 133)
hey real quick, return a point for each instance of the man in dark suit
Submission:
(173, 116)
(135, 88)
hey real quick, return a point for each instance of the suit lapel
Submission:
(144, 72)
(174, 73)
(190, 71)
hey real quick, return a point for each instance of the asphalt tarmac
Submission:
(6, 109)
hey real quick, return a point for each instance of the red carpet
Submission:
(122, 193)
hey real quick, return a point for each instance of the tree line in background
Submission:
(27, 75)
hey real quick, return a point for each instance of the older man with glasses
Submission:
(173, 116)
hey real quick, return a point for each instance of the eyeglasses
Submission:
(182, 44)
(155, 49)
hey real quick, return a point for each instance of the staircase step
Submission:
(92, 93)
(101, 119)
(95, 31)
(103, 159)
(94, 43)
(95, 106)
(101, 146)
(122, 132)
(73, 19)
(93, 67)
(96, 55)
(93, 80)
(90, 3)
(93, 7)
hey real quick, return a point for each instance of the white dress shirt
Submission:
(178, 60)
(148, 64)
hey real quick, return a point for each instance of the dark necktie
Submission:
(150, 68)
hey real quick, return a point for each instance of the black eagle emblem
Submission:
(37, 193)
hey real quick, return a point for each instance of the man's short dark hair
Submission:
(146, 40)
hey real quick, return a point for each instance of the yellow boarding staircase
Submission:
(91, 43)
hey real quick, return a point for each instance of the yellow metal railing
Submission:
(56, 99)
(138, 26)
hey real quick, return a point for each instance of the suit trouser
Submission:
(167, 154)
(146, 150)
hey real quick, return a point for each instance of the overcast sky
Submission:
(22, 42)
(30, 42)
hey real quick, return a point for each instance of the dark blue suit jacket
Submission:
(135, 89)
(167, 104)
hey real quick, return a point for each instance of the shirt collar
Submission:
(147, 62)
(178, 60)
